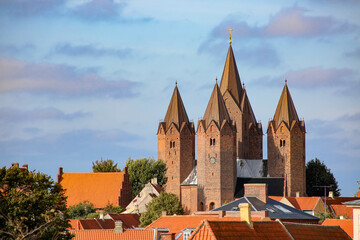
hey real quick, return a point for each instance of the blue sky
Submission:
(85, 79)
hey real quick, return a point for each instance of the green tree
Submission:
(318, 174)
(82, 210)
(141, 171)
(112, 209)
(168, 202)
(105, 166)
(32, 206)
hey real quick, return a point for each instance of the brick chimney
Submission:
(118, 227)
(258, 190)
(15, 165)
(245, 213)
(60, 172)
(25, 166)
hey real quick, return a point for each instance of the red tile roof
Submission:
(100, 189)
(315, 232)
(176, 224)
(276, 198)
(129, 220)
(131, 234)
(339, 200)
(304, 203)
(342, 210)
(345, 224)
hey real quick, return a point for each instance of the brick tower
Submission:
(176, 144)
(249, 133)
(286, 146)
(216, 154)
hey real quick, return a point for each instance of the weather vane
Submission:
(230, 29)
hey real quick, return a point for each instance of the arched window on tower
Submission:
(201, 206)
(211, 206)
(212, 141)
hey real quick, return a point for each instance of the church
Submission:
(229, 146)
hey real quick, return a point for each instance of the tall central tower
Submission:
(249, 133)
(176, 143)
(216, 154)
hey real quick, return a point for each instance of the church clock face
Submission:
(212, 160)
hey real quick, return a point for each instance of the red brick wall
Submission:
(258, 190)
(179, 158)
(125, 195)
(189, 198)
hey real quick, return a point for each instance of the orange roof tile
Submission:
(345, 224)
(342, 210)
(304, 203)
(176, 224)
(276, 198)
(80, 187)
(315, 232)
(271, 230)
(131, 234)
(339, 200)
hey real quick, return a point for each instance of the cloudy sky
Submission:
(85, 79)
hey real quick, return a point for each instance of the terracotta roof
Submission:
(129, 220)
(138, 234)
(176, 224)
(316, 232)
(304, 203)
(216, 110)
(345, 224)
(176, 112)
(339, 200)
(285, 110)
(100, 189)
(230, 80)
(271, 230)
(276, 198)
(342, 210)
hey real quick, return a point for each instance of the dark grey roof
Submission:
(275, 185)
(355, 202)
(247, 168)
(192, 178)
(277, 210)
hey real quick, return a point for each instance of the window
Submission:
(212, 141)
(201, 207)
(211, 206)
(172, 144)
(282, 143)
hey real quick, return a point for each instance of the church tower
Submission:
(216, 154)
(176, 143)
(286, 146)
(249, 133)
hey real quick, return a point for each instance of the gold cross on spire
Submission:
(230, 29)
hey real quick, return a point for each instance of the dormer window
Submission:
(212, 141)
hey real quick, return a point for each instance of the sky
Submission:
(82, 80)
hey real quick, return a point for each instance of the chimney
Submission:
(118, 227)
(163, 213)
(331, 194)
(15, 165)
(297, 194)
(245, 213)
(342, 217)
(25, 166)
(154, 181)
(258, 190)
(60, 172)
(101, 215)
(167, 236)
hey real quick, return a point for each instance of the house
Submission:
(100, 189)
(150, 191)
(248, 229)
(310, 205)
(336, 206)
(256, 195)
(355, 205)
(110, 234)
(345, 224)
(129, 221)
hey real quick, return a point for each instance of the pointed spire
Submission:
(230, 79)
(246, 107)
(216, 109)
(176, 112)
(285, 110)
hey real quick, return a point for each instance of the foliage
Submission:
(81, 210)
(32, 206)
(93, 215)
(141, 171)
(112, 209)
(317, 174)
(328, 214)
(168, 202)
(105, 166)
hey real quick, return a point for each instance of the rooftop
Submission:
(345, 224)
